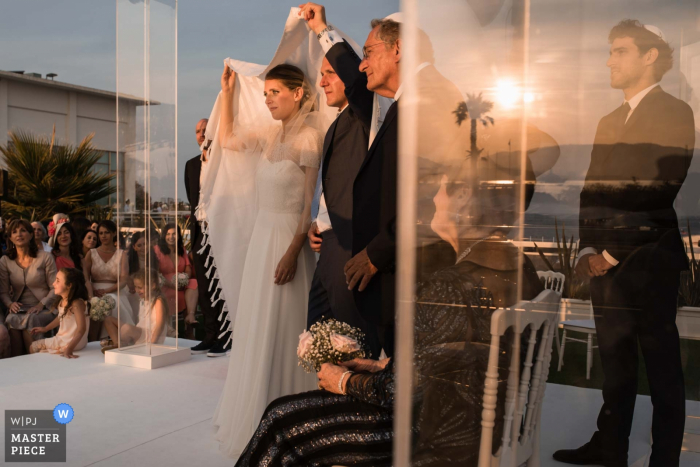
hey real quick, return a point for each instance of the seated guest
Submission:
(136, 261)
(103, 269)
(80, 225)
(26, 278)
(136, 255)
(40, 236)
(88, 241)
(73, 316)
(171, 250)
(64, 242)
(153, 314)
(452, 317)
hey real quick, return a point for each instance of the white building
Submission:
(31, 103)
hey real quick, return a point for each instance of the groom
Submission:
(344, 150)
(632, 251)
(374, 186)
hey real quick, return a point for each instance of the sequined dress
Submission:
(318, 428)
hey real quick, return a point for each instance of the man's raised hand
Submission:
(314, 15)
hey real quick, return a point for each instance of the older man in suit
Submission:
(374, 189)
(632, 250)
(211, 345)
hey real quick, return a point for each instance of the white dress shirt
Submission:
(633, 102)
(323, 219)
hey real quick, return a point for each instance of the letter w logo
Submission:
(62, 414)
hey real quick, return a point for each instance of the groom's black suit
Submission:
(373, 197)
(637, 168)
(344, 150)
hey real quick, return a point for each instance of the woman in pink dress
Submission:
(64, 243)
(171, 249)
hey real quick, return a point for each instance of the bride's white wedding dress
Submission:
(269, 318)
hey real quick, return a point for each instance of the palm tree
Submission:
(46, 178)
(475, 108)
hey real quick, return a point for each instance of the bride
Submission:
(279, 265)
(265, 140)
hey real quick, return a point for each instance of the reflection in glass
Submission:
(573, 165)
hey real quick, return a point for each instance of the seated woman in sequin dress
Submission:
(350, 421)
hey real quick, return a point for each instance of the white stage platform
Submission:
(162, 418)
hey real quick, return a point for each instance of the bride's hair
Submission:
(292, 78)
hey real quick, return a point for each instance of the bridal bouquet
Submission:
(100, 308)
(329, 342)
(180, 280)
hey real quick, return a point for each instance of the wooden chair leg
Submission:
(556, 338)
(561, 351)
(589, 356)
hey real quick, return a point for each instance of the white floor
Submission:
(132, 417)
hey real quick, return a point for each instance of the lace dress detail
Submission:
(282, 182)
(105, 272)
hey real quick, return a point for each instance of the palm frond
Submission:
(46, 178)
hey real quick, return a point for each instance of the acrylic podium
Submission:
(147, 176)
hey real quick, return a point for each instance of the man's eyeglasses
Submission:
(365, 49)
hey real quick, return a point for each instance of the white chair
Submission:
(523, 406)
(553, 281)
(585, 326)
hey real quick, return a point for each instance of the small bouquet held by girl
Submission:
(329, 341)
(101, 307)
(181, 280)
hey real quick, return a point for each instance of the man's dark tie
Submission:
(624, 111)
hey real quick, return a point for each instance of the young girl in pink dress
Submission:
(152, 324)
(72, 316)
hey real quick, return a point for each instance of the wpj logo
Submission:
(37, 435)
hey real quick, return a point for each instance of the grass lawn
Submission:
(573, 372)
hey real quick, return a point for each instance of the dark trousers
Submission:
(211, 314)
(329, 296)
(629, 317)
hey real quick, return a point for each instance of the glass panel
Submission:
(146, 173)
(517, 156)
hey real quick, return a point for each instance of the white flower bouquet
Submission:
(100, 308)
(329, 341)
(180, 280)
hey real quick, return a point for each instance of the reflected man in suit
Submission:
(631, 248)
